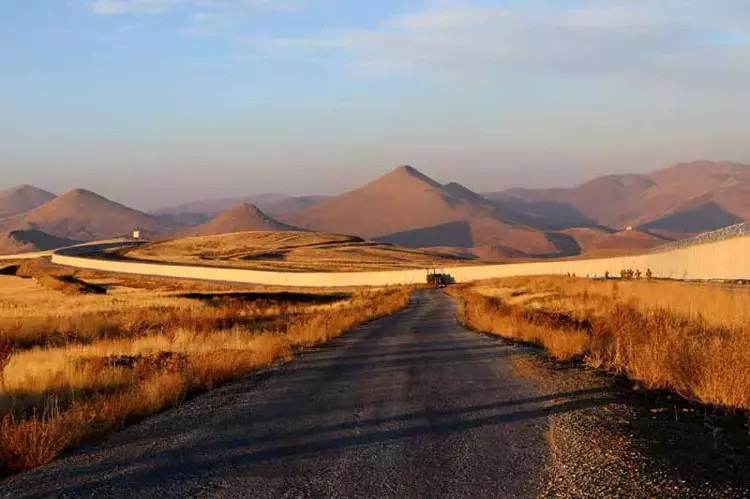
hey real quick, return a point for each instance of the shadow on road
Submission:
(235, 444)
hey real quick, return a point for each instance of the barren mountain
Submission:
(407, 208)
(23, 241)
(83, 215)
(678, 201)
(22, 199)
(241, 218)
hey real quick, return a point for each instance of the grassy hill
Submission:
(290, 251)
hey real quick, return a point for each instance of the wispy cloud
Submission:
(666, 40)
(115, 7)
(122, 7)
(670, 41)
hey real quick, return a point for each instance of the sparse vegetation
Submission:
(76, 366)
(690, 338)
(6, 351)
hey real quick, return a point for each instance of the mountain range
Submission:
(676, 202)
(612, 213)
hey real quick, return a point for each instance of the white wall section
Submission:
(726, 259)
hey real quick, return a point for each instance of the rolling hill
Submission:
(84, 216)
(241, 218)
(408, 208)
(290, 251)
(676, 202)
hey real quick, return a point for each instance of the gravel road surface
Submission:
(409, 405)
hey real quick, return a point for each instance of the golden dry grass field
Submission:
(290, 251)
(76, 364)
(690, 338)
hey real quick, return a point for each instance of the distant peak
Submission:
(408, 169)
(411, 172)
(247, 207)
(81, 193)
(83, 197)
(28, 188)
(246, 210)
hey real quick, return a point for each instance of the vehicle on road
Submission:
(439, 280)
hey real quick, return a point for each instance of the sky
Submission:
(156, 102)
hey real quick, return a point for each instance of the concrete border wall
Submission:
(78, 249)
(26, 256)
(727, 259)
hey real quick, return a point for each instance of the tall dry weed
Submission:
(662, 343)
(6, 352)
(28, 443)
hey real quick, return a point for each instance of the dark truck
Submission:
(439, 280)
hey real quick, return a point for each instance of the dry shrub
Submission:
(31, 442)
(490, 315)
(364, 307)
(98, 416)
(6, 352)
(143, 365)
(217, 367)
(673, 346)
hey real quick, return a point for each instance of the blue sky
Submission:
(158, 101)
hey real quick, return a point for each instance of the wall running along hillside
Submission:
(727, 259)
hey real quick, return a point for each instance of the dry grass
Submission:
(691, 338)
(83, 364)
(290, 251)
